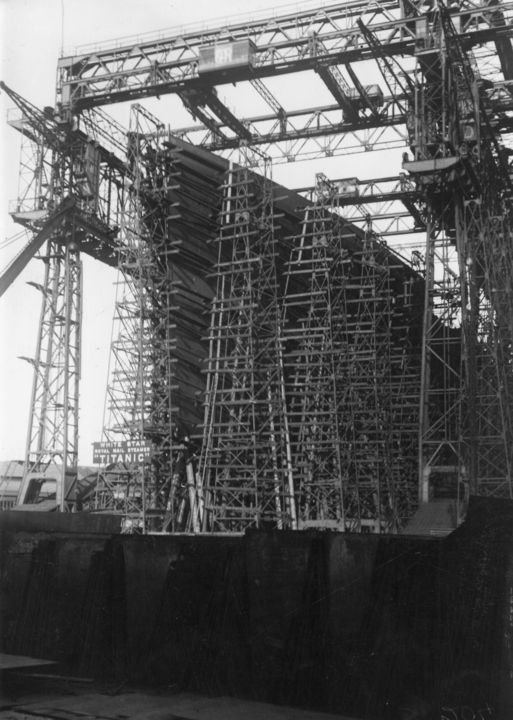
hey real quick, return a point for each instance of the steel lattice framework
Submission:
(322, 40)
(68, 200)
(438, 82)
(393, 204)
(456, 157)
(53, 432)
(141, 404)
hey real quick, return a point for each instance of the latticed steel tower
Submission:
(467, 322)
(70, 197)
(54, 183)
(53, 430)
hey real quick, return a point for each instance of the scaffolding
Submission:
(314, 318)
(326, 391)
(353, 374)
(140, 392)
(244, 471)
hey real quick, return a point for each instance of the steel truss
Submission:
(467, 315)
(320, 137)
(330, 42)
(244, 471)
(443, 97)
(394, 204)
(68, 196)
(53, 420)
(53, 426)
(291, 43)
(490, 277)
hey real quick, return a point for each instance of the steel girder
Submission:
(394, 204)
(69, 194)
(165, 64)
(467, 327)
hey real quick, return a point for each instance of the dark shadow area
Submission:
(367, 625)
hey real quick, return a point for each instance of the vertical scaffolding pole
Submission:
(153, 495)
(53, 420)
(353, 383)
(368, 397)
(244, 469)
(314, 321)
(441, 453)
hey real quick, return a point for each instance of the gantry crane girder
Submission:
(393, 205)
(323, 121)
(364, 118)
(281, 45)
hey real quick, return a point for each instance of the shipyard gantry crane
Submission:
(438, 84)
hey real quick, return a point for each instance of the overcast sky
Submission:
(32, 34)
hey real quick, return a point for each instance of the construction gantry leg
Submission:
(53, 427)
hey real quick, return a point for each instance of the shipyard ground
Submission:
(36, 696)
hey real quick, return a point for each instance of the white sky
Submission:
(32, 33)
